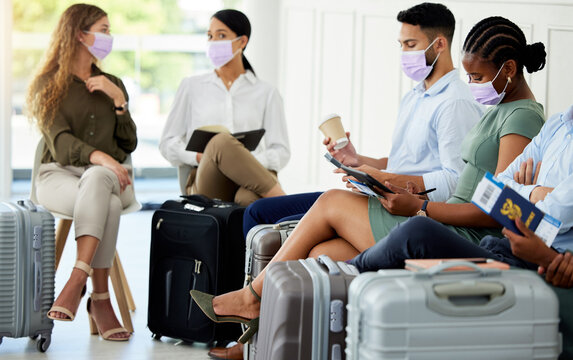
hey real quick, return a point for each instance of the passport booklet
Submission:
(504, 204)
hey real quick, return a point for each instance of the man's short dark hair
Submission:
(432, 18)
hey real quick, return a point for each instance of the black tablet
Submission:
(359, 175)
(200, 138)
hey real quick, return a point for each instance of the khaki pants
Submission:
(228, 171)
(91, 195)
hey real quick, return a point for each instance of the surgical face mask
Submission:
(485, 93)
(102, 45)
(221, 52)
(414, 63)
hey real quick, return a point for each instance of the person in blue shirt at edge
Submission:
(543, 173)
(339, 223)
(438, 113)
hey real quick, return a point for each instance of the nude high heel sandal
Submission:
(94, 329)
(70, 315)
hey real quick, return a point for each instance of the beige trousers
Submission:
(228, 171)
(91, 195)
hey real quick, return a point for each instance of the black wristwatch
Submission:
(422, 211)
(122, 107)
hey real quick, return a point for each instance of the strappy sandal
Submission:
(94, 329)
(205, 303)
(56, 308)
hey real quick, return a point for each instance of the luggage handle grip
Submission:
(469, 288)
(443, 267)
(330, 264)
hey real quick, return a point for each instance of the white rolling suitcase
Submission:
(26, 272)
(437, 314)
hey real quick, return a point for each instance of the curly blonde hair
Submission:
(52, 80)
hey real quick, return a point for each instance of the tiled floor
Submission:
(71, 340)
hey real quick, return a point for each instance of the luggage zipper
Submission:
(197, 267)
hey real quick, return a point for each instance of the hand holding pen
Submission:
(414, 189)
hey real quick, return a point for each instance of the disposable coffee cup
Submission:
(332, 128)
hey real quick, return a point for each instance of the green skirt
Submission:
(382, 222)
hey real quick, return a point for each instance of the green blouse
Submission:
(480, 148)
(86, 122)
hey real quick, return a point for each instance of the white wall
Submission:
(343, 56)
(5, 98)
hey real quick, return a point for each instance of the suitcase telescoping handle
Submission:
(330, 265)
(28, 204)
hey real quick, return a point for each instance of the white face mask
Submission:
(221, 52)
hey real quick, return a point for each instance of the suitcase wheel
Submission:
(43, 343)
(156, 336)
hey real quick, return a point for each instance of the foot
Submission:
(234, 352)
(239, 303)
(71, 295)
(105, 319)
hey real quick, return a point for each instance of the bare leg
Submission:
(102, 310)
(336, 214)
(70, 296)
(336, 249)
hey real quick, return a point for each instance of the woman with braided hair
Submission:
(343, 224)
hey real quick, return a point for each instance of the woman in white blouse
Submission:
(231, 96)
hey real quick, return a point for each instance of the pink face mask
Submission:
(414, 63)
(102, 45)
(485, 93)
(221, 52)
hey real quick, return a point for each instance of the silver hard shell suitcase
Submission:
(262, 243)
(26, 272)
(437, 314)
(303, 312)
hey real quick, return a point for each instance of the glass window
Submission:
(156, 44)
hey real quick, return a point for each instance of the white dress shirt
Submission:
(249, 104)
(553, 146)
(429, 132)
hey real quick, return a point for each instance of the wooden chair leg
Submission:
(128, 295)
(62, 232)
(120, 295)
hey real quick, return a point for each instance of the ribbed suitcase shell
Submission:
(398, 314)
(262, 243)
(26, 271)
(303, 310)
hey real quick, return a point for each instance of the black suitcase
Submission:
(196, 243)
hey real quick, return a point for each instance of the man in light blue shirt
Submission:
(550, 187)
(433, 119)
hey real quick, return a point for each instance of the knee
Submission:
(115, 206)
(219, 142)
(332, 198)
(417, 230)
(99, 175)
